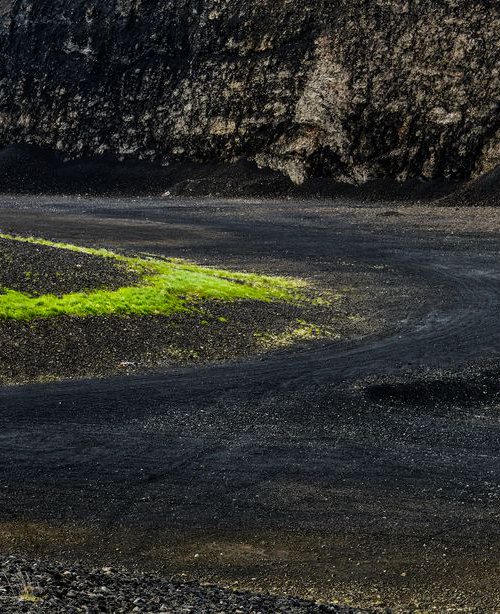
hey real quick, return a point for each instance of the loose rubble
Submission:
(31, 587)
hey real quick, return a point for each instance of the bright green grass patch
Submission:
(167, 286)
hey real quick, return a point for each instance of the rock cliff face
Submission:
(347, 89)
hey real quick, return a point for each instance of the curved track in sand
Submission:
(307, 472)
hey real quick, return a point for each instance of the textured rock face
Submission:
(348, 89)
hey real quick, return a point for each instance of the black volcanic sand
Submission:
(30, 169)
(62, 589)
(362, 472)
(66, 346)
(38, 269)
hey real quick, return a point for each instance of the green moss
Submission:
(167, 286)
(28, 597)
(304, 331)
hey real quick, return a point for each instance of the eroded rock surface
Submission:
(335, 88)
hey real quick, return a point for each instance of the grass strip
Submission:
(167, 286)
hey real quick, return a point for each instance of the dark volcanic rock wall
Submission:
(350, 89)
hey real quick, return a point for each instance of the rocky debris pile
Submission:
(484, 191)
(31, 169)
(32, 587)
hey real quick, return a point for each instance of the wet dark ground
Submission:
(362, 472)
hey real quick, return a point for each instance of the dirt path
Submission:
(364, 471)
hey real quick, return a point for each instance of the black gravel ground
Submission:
(362, 472)
(32, 587)
(66, 347)
(39, 269)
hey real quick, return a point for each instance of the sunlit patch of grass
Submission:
(304, 331)
(166, 287)
(23, 587)
(28, 597)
